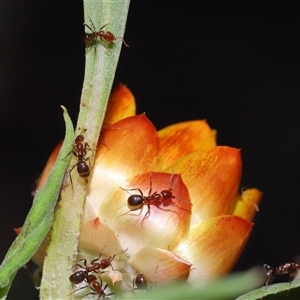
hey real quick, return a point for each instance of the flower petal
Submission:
(213, 178)
(50, 162)
(247, 204)
(160, 265)
(95, 238)
(131, 148)
(214, 246)
(121, 105)
(181, 139)
(164, 226)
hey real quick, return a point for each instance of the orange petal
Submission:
(214, 246)
(121, 105)
(131, 147)
(160, 265)
(181, 139)
(95, 238)
(212, 177)
(50, 162)
(247, 204)
(165, 225)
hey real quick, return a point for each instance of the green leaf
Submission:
(275, 291)
(225, 288)
(40, 216)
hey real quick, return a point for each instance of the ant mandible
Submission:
(289, 268)
(165, 198)
(80, 150)
(104, 36)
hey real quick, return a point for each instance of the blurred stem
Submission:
(99, 74)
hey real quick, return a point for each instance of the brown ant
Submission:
(95, 285)
(80, 150)
(104, 36)
(165, 198)
(94, 266)
(141, 282)
(289, 268)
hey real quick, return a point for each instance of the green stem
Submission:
(40, 217)
(100, 69)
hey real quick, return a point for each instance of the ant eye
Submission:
(135, 200)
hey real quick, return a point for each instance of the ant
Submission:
(289, 268)
(94, 266)
(165, 198)
(79, 150)
(95, 285)
(104, 36)
(141, 282)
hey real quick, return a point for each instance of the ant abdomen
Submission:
(135, 201)
(78, 277)
(141, 282)
(83, 169)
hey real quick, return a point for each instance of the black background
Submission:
(234, 63)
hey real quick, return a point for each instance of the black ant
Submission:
(165, 198)
(289, 268)
(79, 150)
(141, 282)
(104, 36)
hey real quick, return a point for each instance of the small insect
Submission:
(164, 198)
(79, 150)
(289, 268)
(141, 282)
(105, 36)
(95, 285)
(96, 265)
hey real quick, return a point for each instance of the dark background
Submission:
(234, 63)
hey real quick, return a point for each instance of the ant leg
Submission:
(150, 189)
(170, 180)
(123, 41)
(131, 210)
(154, 282)
(98, 258)
(103, 27)
(147, 214)
(71, 176)
(135, 189)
